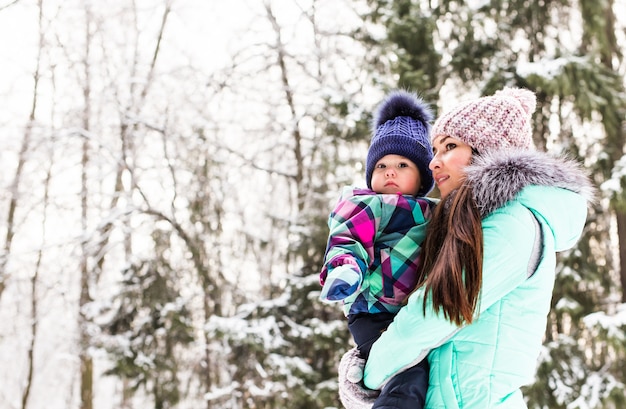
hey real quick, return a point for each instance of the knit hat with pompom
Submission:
(401, 126)
(502, 120)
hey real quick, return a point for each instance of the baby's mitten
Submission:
(341, 282)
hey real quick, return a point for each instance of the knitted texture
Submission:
(352, 393)
(402, 127)
(502, 120)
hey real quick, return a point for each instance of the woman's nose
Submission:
(435, 163)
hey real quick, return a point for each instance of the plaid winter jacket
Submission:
(379, 236)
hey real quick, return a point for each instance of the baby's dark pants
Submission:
(407, 389)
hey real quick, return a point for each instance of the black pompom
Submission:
(403, 103)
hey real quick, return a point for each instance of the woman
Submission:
(479, 315)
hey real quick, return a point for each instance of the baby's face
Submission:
(396, 174)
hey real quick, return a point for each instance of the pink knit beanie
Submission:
(502, 120)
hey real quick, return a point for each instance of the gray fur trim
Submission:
(496, 177)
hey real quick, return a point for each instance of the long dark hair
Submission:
(452, 257)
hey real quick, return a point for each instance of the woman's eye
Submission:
(450, 146)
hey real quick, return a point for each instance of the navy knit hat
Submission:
(401, 126)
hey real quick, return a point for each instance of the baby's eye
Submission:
(403, 165)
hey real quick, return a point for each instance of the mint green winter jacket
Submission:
(484, 364)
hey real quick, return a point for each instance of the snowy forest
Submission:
(168, 167)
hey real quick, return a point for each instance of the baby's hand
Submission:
(341, 282)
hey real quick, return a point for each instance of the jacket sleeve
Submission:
(353, 229)
(509, 235)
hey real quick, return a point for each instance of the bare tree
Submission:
(22, 157)
(184, 187)
(86, 361)
(34, 294)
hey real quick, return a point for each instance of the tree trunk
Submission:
(21, 161)
(620, 215)
(86, 361)
(34, 301)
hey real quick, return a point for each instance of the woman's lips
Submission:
(440, 179)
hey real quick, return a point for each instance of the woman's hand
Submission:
(352, 392)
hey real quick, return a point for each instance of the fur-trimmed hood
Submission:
(497, 176)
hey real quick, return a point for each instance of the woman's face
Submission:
(450, 157)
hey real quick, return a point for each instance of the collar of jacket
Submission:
(498, 176)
